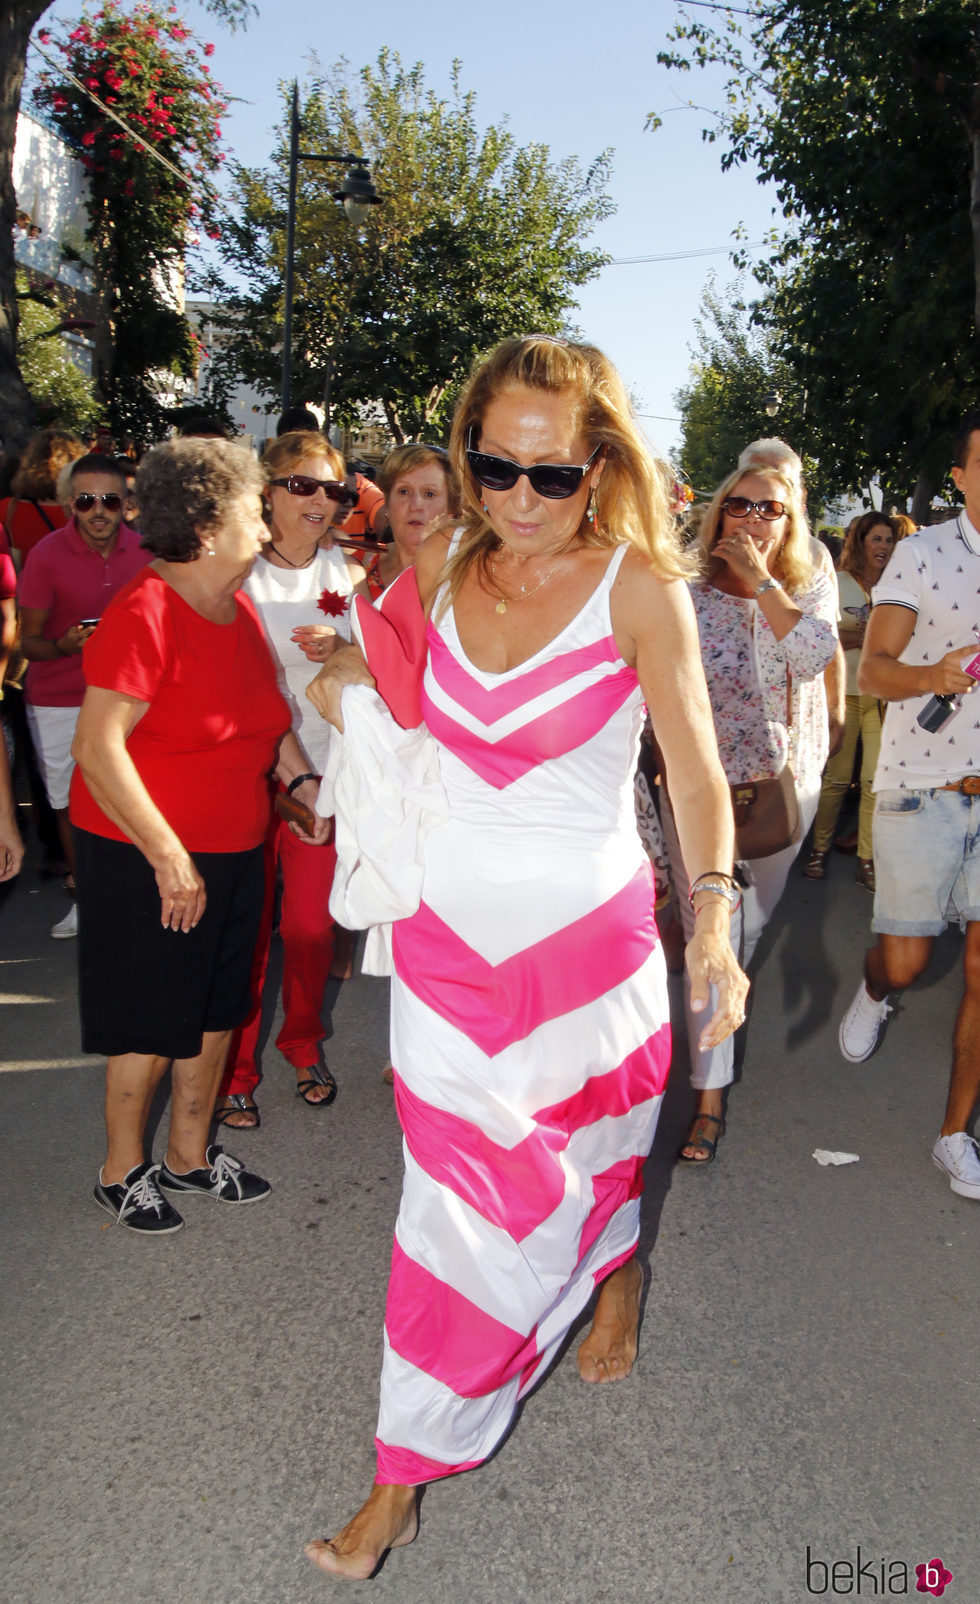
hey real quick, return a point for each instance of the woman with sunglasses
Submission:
(419, 486)
(767, 620)
(301, 588)
(530, 1036)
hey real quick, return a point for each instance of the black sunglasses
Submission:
(111, 501)
(741, 506)
(553, 480)
(299, 484)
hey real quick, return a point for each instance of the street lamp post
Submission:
(357, 195)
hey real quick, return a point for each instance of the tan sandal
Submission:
(865, 873)
(816, 864)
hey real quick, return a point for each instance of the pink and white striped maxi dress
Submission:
(529, 1037)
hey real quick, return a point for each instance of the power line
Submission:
(684, 256)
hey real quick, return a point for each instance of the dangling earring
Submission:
(593, 511)
(210, 551)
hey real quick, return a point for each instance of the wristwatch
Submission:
(767, 584)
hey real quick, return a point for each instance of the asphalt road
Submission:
(180, 1415)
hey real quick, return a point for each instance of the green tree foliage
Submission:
(63, 397)
(145, 67)
(866, 118)
(734, 371)
(476, 238)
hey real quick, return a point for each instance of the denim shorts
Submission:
(927, 861)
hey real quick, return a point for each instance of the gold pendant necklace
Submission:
(501, 606)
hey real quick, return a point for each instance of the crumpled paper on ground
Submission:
(824, 1156)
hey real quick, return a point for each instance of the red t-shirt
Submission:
(209, 736)
(32, 520)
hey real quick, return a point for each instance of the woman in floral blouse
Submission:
(767, 621)
(301, 587)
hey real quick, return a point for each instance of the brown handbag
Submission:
(767, 813)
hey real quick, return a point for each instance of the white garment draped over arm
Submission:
(383, 786)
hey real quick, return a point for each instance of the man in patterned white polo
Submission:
(926, 611)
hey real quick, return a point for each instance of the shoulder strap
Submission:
(39, 509)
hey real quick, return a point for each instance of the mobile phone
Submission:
(87, 623)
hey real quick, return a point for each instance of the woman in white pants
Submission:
(767, 621)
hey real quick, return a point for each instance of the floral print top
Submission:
(745, 667)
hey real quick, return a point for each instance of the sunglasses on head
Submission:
(416, 445)
(741, 506)
(111, 501)
(300, 484)
(553, 480)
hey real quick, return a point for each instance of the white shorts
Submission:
(52, 731)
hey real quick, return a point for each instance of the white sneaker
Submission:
(861, 1025)
(68, 926)
(959, 1156)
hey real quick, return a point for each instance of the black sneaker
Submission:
(225, 1178)
(138, 1203)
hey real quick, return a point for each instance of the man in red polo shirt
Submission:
(68, 581)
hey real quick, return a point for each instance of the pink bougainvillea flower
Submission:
(332, 603)
(89, 138)
(81, 36)
(45, 37)
(209, 50)
(130, 187)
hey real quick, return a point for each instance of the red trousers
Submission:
(306, 928)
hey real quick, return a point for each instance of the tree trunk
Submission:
(975, 208)
(926, 485)
(17, 18)
(393, 424)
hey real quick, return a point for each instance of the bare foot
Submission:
(608, 1352)
(389, 1519)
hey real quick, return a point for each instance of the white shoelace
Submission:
(143, 1194)
(225, 1168)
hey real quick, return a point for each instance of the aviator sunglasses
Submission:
(741, 506)
(553, 480)
(111, 501)
(299, 484)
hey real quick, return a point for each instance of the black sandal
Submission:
(700, 1142)
(238, 1103)
(319, 1076)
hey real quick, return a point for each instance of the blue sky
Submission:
(577, 77)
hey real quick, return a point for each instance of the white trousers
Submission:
(766, 879)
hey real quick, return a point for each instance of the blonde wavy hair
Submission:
(793, 566)
(632, 497)
(283, 456)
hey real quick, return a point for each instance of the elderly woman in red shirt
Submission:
(182, 720)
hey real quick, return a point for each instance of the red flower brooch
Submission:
(333, 604)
